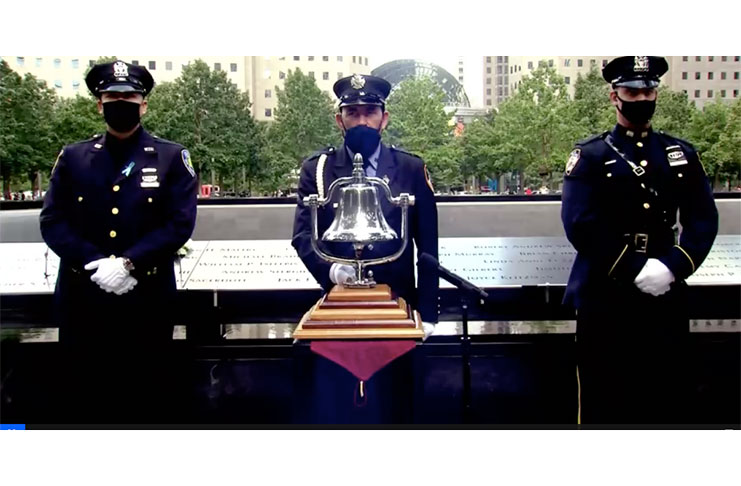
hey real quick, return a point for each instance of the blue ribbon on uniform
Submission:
(128, 168)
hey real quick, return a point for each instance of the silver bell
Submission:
(359, 218)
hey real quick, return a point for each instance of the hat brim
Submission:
(120, 88)
(361, 102)
(638, 83)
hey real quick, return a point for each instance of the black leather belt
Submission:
(659, 241)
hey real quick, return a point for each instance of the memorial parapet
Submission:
(31, 268)
(519, 273)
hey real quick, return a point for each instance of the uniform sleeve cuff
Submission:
(679, 262)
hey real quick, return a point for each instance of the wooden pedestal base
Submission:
(347, 313)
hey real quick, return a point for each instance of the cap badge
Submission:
(640, 64)
(357, 81)
(120, 70)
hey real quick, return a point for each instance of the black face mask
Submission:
(121, 115)
(638, 112)
(362, 140)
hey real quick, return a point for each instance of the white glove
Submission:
(428, 328)
(128, 284)
(654, 278)
(341, 274)
(110, 275)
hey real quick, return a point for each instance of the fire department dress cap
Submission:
(119, 76)
(360, 89)
(635, 71)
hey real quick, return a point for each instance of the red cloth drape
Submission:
(362, 358)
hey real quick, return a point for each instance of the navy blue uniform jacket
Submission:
(617, 219)
(94, 210)
(405, 173)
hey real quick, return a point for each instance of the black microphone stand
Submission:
(466, 356)
(466, 289)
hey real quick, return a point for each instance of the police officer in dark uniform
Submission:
(362, 118)
(622, 191)
(118, 208)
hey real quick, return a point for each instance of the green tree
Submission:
(10, 126)
(281, 170)
(536, 128)
(206, 113)
(705, 131)
(418, 123)
(479, 157)
(725, 153)
(673, 112)
(304, 123)
(25, 127)
(592, 106)
(76, 119)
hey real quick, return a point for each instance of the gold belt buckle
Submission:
(641, 242)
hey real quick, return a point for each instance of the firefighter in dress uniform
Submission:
(362, 118)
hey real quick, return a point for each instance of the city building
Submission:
(702, 78)
(258, 75)
(496, 80)
(265, 73)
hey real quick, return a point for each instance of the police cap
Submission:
(360, 89)
(635, 71)
(119, 76)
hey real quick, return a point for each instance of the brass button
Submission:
(112, 257)
(609, 174)
(114, 210)
(79, 199)
(680, 175)
(116, 188)
(640, 144)
(149, 199)
(113, 234)
(644, 163)
(646, 205)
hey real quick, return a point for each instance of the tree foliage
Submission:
(592, 108)
(418, 123)
(76, 119)
(528, 137)
(673, 113)
(27, 143)
(536, 128)
(304, 123)
(206, 113)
